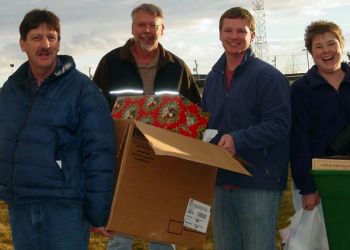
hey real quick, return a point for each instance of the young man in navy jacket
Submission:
(249, 104)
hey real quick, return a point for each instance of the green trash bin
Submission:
(334, 189)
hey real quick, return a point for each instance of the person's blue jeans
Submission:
(48, 225)
(245, 219)
(119, 242)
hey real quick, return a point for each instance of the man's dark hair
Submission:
(238, 12)
(34, 18)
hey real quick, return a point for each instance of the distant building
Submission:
(292, 77)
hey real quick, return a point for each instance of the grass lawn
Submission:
(97, 242)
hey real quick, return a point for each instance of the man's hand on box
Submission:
(226, 142)
(102, 231)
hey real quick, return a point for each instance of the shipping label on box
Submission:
(197, 216)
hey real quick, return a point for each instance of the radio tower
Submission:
(261, 49)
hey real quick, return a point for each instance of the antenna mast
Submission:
(260, 48)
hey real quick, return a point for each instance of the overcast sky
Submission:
(91, 28)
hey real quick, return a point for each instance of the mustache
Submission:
(44, 51)
(146, 36)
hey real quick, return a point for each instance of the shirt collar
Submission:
(57, 70)
(317, 80)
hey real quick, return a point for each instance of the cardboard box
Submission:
(161, 176)
(341, 163)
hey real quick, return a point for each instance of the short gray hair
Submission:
(149, 8)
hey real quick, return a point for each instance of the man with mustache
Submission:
(143, 66)
(57, 163)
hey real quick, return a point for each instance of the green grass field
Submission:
(97, 242)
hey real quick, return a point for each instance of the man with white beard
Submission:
(143, 67)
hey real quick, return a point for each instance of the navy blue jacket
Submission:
(319, 114)
(256, 112)
(57, 143)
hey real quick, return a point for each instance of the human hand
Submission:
(226, 142)
(102, 231)
(310, 201)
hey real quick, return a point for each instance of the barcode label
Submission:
(197, 216)
(202, 215)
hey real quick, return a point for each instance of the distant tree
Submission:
(348, 54)
(291, 67)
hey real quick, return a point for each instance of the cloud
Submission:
(10, 54)
(91, 28)
(301, 5)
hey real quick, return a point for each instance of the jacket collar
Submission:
(220, 65)
(64, 64)
(164, 56)
(316, 79)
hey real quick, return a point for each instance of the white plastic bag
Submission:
(307, 229)
(306, 232)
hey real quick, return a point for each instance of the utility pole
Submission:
(261, 48)
(12, 66)
(195, 69)
(307, 58)
(274, 60)
(90, 75)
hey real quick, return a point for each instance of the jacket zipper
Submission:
(266, 168)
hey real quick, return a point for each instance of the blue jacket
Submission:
(57, 142)
(319, 114)
(256, 112)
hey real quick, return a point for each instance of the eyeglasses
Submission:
(152, 26)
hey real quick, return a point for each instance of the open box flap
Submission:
(169, 143)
